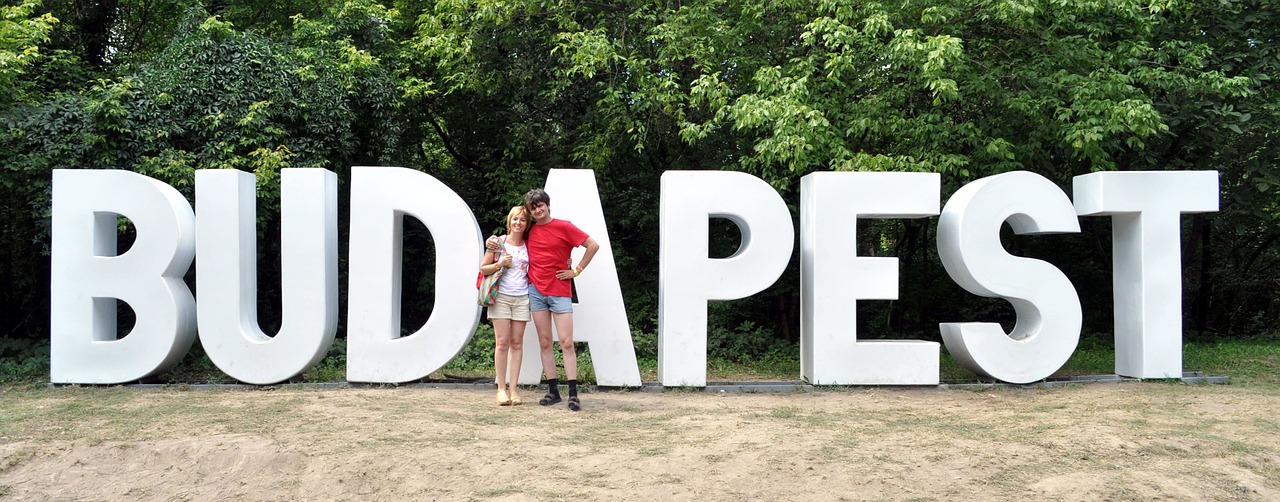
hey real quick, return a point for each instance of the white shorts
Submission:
(511, 307)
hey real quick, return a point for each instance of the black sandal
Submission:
(549, 399)
(574, 404)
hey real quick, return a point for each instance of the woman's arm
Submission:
(487, 264)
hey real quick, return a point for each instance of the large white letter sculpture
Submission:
(88, 277)
(1146, 256)
(688, 277)
(380, 199)
(227, 268)
(833, 278)
(1047, 306)
(599, 317)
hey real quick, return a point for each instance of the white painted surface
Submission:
(88, 277)
(1145, 209)
(688, 277)
(381, 197)
(227, 273)
(1048, 308)
(833, 278)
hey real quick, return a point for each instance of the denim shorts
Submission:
(556, 304)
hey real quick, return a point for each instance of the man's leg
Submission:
(564, 328)
(540, 310)
(542, 324)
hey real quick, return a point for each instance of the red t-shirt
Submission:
(549, 247)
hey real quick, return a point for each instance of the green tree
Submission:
(22, 31)
(1231, 259)
(781, 89)
(488, 95)
(214, 98)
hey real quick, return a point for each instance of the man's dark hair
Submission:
(535, 196)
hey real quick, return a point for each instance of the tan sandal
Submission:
(502, 398)
(515, 399)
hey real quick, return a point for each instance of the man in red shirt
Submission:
(550, 243)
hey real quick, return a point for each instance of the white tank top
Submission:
(515, 281)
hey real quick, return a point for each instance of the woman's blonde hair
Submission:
(519, 210)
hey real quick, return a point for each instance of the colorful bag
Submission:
(487, 285)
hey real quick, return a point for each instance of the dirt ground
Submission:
(1118, 441)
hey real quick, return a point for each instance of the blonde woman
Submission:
(510, 312)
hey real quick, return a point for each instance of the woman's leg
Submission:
(515, 357)
(501, 344)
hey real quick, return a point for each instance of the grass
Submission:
(1246, 361)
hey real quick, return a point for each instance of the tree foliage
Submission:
(488, 95)
(22, 31)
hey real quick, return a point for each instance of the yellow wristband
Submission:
(576, 271)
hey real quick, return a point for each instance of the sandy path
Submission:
(1101, 441)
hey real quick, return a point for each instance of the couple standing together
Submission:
(534, 286)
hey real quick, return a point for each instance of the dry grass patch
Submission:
(1100, 441)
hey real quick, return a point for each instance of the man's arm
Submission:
(592, 247)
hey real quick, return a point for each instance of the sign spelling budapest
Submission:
(89, 275)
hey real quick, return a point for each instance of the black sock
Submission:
(573, 387)
(553, 386)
